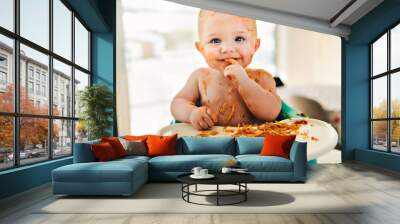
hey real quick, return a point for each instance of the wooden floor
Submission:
(377, 188)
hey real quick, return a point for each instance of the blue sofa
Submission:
(125, 176)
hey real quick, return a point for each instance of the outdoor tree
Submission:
(33, 131)
(380, 127)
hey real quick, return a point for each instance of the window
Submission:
(30, 87)
(30, 72)
(37, 74)
(6, 74)
(62, 74)
(7, 14)
(35, 21)
(3, 78)
(81, 45)
(44, 91)
(3, 61)
(62, 32)
(45, 131)
(385, 95)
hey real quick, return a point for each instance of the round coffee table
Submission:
(238, 179)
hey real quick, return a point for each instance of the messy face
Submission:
(224, 37)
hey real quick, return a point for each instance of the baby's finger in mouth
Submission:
(231, 61)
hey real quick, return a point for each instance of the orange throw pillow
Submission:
(135, 138)
(161, 145)
(277, 145)
(116, 145)
(103, 152)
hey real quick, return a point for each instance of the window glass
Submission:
(39, 63)
(33, 139)
(81, 81)
(379, 135)
(6, 74)
(395, 47)
(379, 56)
(395, 136)
(34, 21)
(81, 45)
(7, 14)
(62, 138)
(62, 29)
(379, 97)
(62, 91)
(395, 94)
(6, 142)
(81, 131)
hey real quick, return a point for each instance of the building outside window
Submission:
(3, 72)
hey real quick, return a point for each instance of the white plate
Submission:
(208, 176)
(325, 134)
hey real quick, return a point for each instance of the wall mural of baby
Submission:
(226, 93)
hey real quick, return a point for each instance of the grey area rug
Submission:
(166, 198)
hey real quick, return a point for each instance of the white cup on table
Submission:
(203, 172)
(196, 171)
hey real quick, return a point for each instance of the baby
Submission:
(230, 94)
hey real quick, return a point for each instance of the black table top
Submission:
(220, 178)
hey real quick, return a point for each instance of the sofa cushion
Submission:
(277, 145)
(116, 145)
(211, 145)
(249, 145)
(257, 163)
(161, 145)
(103, 152)
(185, 163)
(134, 147)
(111, 171)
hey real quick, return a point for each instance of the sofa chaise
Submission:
(125, 176)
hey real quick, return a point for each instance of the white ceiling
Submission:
(315, 15)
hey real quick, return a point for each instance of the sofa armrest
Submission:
(83, 152)
(298, 155)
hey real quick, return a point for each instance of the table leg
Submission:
(245, 193)
(217, 194)
(196, 188)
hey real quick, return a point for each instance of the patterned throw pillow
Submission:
(134, 147)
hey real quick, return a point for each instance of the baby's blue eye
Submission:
(240, 39)
(215, 41)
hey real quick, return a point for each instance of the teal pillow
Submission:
(249, 145)
(209, 145)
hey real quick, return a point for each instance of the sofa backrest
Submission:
(83, 152)
(190, 146)
(249, 145)
(208, 145)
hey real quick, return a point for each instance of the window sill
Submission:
(26, 167)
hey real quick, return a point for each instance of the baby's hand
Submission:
(235, 72)
(201, 118)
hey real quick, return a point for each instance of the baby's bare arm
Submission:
(184, 102)
(259, 94)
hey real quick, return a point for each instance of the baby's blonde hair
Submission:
(249, 23)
